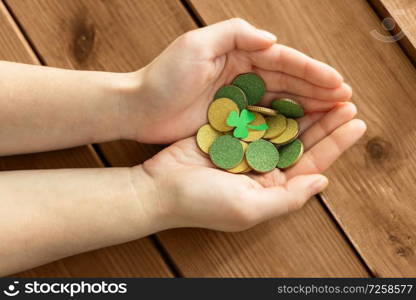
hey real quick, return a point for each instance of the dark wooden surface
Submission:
(370, 197)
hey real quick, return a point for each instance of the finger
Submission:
(222, 37)
(308, 104)
(282, 82)
(319, 110)
(332, 120)
(322, 155)
(275, 201)
(288, 60)
(309, 120)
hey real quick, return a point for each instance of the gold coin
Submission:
(291, 132)
(263, 110)
(240, 168)
(249, 169)
(254, 135)
(205, 136)
(218, 112)
(243, 165)
(245, 145)
(276, 125)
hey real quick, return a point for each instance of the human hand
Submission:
(169, 98)
(190, 192)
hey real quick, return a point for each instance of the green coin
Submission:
(252, 85)
(290, 154)
(262, 156)
(226, 152)
(234, 93)
(288, 107)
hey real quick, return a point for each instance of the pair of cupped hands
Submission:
(176, 90)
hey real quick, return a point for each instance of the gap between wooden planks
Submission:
(133, 259)
(372, 187)
(403, 12)
(125, 35)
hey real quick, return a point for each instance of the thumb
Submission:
(275, 201)
(235, 33)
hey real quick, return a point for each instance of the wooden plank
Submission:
(372, 187)
(114, 261)
(277, 248)
(403, 12)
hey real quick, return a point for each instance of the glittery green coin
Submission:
(252, 85)
(262, 156)
(226, 152)
(234, 93)
(289, 108)
(290, 154)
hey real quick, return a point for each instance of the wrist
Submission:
(128, 87)
(147, 194)
(104, 95)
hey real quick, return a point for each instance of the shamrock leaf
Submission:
(240, 132)
(248, 116)
(241, 123)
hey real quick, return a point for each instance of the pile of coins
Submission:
(241, 137)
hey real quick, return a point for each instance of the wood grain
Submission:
(133, 259)
(129, 34)
(404, 14)
(372, 187)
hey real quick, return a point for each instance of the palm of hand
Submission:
(204, 196)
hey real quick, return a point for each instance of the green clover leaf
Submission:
(241, 123)
(240, 132)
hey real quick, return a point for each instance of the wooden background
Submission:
(365, 222)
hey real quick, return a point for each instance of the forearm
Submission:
(49, 214)
(45, 108)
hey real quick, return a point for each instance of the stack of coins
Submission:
(241, 136)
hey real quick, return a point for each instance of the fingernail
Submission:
(268, 35)
(319, 184)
